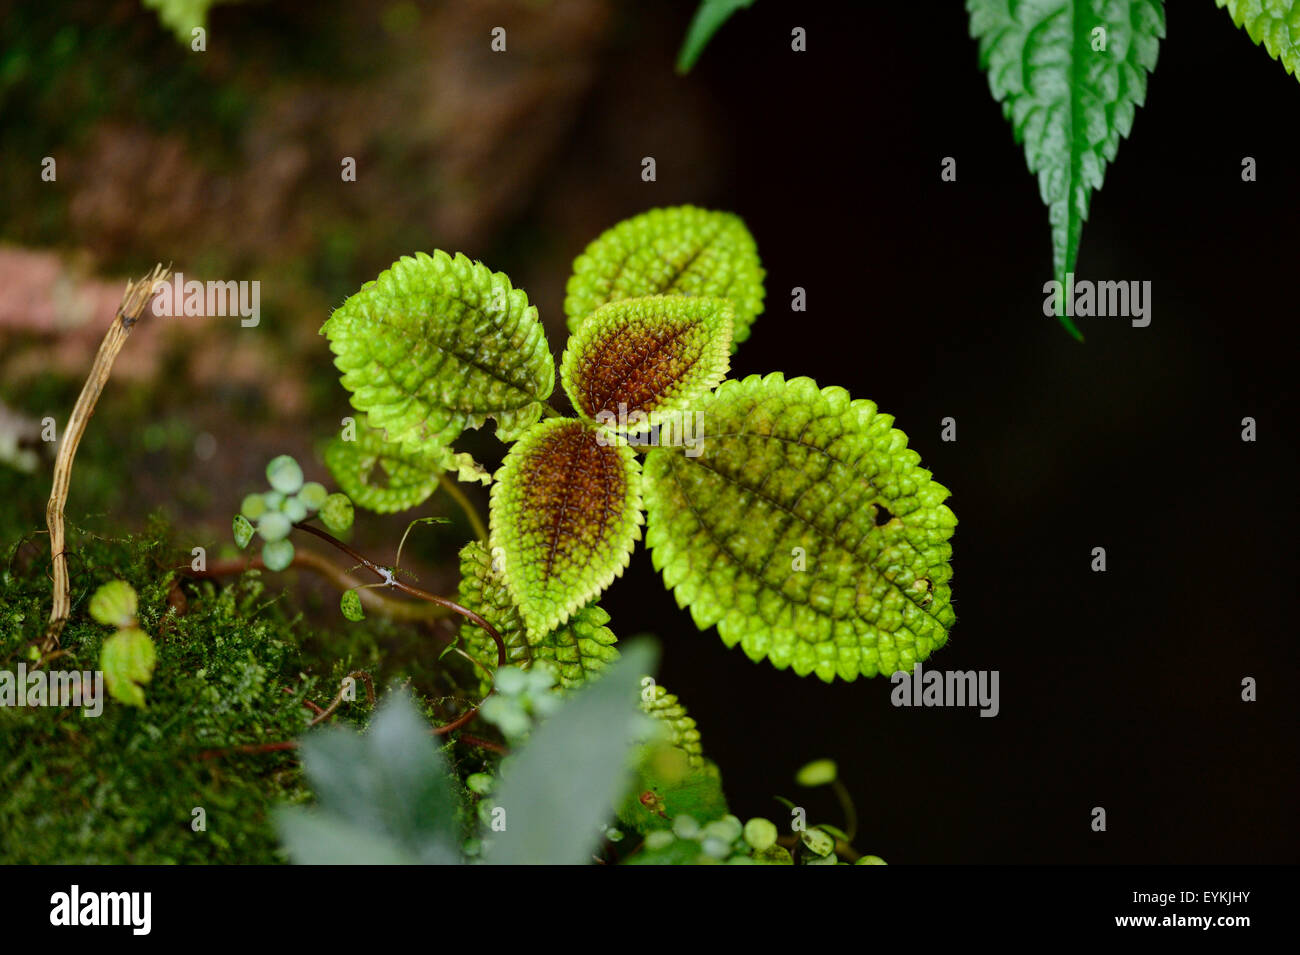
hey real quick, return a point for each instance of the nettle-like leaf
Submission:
(577, 650)
(805, 529)
(1070, 75)
(635, 360)
(386, 477)
(681, 250)
(566, 513)
(1273, 23)
(439, 344)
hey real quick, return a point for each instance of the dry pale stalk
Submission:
(134, 299)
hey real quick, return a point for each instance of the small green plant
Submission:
(128, 656)
(578, 760)
(288, 502)
(793, 518)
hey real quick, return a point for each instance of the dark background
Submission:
(1118, 689)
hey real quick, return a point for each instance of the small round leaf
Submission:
(336, 512)
(278, 554)
(284, 474)
(114, 604)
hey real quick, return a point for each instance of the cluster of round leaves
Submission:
(522, 698)
(272, 514)
(127, 658)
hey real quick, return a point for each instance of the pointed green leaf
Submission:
(438, 344)
(805, 530)
(391, 783)
(556, 790)
(1273, 23)
(386, 477)
(1069, 74)
(577, 650)
(566, 512)
(681, 250)
(635, 360)
(709, 18)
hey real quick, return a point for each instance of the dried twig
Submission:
(134, 299)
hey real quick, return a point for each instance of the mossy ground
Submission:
(235, 663)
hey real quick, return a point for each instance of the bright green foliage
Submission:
(1069, 74)
(1273, 23)
(385, 477)
(243, 531)
(576, 651)
(681, 250)
(128, 659)
(566, 512)
(760, 834)
(114, 604)
(438, 344)
(805, 530)
(636, 359)
(673, 777)
(337, 512)
(350, 605)
(709, 18)
(820, 772)
(681, 732)
(384, 798)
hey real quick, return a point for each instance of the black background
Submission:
(1118, 689)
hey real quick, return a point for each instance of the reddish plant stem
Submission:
(487, 744)
(385, 575)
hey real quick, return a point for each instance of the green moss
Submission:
(233, 670)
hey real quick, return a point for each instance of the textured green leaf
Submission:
(673, 777)
(385, 477)
(127, 659)
(577, 650)
(557, 789)
(790, 476)
(682, 734)
(438, 344)
(566, 513)
(681, 250)
(1068, 103)
(709, 18)
(1273, 23)
(638, 358)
